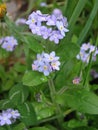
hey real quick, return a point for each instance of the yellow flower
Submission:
(2, 10)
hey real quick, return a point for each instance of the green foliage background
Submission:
(63, 106)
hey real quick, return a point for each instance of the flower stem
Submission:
(85, 84)
(55, 117)
(53, 94)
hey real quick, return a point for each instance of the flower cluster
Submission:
(85, 52)
(52, 27)
(8, 43)
(8, 116)
(46, 63)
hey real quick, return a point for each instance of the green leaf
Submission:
(67, 50)
(1, 128)
(76, 123)
(2, 72)
(5, 103)
(14, 29)
(20, 126)
(74, 39)
(33, 78)
(43, 110)
(7, 85)
(18, 94)
(39, 128)
(69, 70)
(28, 115)
(85, 128)
(33, 44)
(19, 67)
(3, 53)
(49, 126)
(81, 100)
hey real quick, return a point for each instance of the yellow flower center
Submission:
(45, 67)
(51, 58)
(53, 64)
(8, 47)
(33, 20)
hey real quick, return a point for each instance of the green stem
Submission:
(89, 67)
(52, 89)
(62, 90)
(55, 117)
(68, 111)
(53, 94)
(85, 83)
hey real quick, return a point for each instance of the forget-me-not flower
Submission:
(61, 27)
(5, 119)
(85, 52)
(55, 36)
(8, 43)
(9, 116)
(46, 63)
(52, 27)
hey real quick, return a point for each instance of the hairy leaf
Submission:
(28, 115)
(33, 78)
(81, 100)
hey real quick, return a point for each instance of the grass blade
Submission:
(89, 23)
(76, 13)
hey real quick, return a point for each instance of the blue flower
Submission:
(9, 116)
(36, 29)
(45, 68)
(46, 63)
(52, 27)
(51, 57)
(55, 36)
(85, 52)
(9, 43)
(61, 27)
(45, 32)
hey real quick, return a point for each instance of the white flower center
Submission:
(61, 27)
(12, 112)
